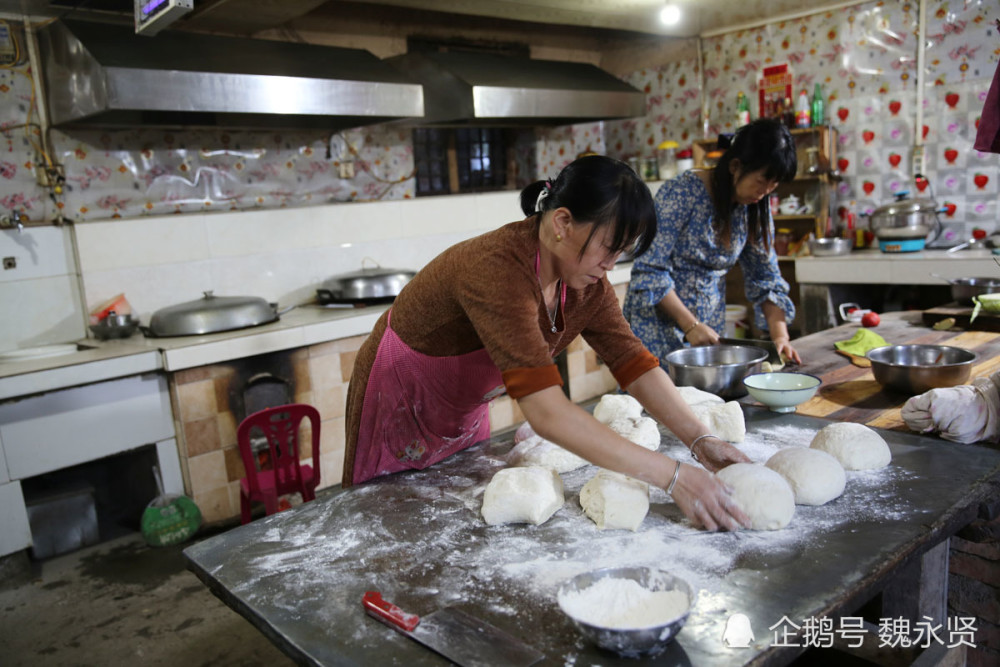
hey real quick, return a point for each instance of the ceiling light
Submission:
(670, 15)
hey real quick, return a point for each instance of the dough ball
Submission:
(614, 501)
(694, 396)
(642, 431)
(761, 493)
(537, 451)
(816, 477)
(768, 367)
(856, 446)
(616, 406)
(724, 420)
(522, 495)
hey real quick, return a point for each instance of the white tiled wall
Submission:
(39, 296)
(282, 256)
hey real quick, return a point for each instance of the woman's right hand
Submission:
(702, 334)
(706, 501)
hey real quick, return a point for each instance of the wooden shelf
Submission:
(807, 217)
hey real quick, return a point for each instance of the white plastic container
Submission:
(736, 325)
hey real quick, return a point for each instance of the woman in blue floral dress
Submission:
(708, 220)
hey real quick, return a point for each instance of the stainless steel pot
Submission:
(369, 285)
(211, 314)
(907, 219)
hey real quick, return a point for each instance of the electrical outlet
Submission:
(347, 169)
(9, 263)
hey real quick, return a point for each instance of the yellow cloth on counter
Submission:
(862, 341)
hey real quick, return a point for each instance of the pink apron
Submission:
(420, 409)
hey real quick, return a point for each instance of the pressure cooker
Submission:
(906, 225)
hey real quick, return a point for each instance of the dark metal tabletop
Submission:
(420, 540)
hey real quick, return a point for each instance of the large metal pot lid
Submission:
(373, 272)
(903, 205)
(212, 314)
(365, 284)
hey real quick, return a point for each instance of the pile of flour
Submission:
(623, 603)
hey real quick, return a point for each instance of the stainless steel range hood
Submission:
(100, 74)
(474, 88)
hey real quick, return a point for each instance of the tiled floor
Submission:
(121, 603)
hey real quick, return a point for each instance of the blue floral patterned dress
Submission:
(687, 257)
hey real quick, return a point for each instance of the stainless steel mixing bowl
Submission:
(718, 369)
(631, 642)
(914, 369)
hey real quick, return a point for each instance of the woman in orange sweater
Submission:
(490, 314)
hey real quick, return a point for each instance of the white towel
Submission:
(966, 413)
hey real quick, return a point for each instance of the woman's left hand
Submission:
(786, 350)
(715, 454)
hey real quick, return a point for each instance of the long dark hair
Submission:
(600, 190)
(763, 144)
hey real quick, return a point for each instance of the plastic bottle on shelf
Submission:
(788, 115)
(803, 115)
(818, 107)
(742, 110)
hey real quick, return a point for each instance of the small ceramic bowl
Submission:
(782, 392)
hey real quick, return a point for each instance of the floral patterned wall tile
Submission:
(126, 173)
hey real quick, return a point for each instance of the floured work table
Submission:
(419, 539)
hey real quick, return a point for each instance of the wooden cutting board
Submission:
(962, 315)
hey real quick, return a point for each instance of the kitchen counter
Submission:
(94, 361)
(101, 360)
(872, 266)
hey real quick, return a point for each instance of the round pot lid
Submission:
(212, 314)
(366, 283)
(905, 207)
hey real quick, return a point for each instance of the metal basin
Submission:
(914, 369)
(830, 247)
(963, 289)
(718, 369)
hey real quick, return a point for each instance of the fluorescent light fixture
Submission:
(670, 15)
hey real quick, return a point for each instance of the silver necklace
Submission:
(552, 313)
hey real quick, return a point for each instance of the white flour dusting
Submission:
(623, 603)
(420, 539)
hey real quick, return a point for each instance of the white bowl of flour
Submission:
(632, 611)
